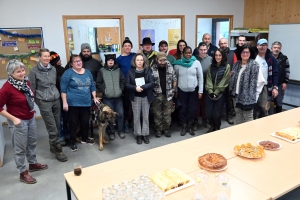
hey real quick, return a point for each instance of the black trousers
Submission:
(214, 110)
(188, 102)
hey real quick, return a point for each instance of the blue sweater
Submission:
(78, 87)
(124, 63)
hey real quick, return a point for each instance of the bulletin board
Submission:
(22, 44)
(108, 35)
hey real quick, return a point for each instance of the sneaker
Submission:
(88, 141)
(111, 137)
(126, 128)
(121, 135)
(73, 147)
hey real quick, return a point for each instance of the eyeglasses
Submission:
(77, 61)
(245, 52)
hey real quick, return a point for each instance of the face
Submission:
(19, 74)
(276, 49)
(202, 51)
(218, 56)
(223, 44)
(206, 39)
(242, 41)
(45, 58)
(127, 48)
(187, 54)
(86, 53)
(77, 63)
(162, 62)
(110, 63)
(139, 61)
(181, 46)
(262, 48)
(245, 54)
(163, 48)
(147, 47)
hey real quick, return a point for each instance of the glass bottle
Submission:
(222, 189)
(201, 189)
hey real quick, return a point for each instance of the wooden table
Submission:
(264, 178)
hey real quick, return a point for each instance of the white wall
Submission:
(49, 15)
(204, 26)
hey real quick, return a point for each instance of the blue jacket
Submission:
(149, 84)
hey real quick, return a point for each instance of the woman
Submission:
(217, 80)
(43, 84)
(19, 100)
(180, 46)
(140, 82)
(190, 86)
(243, 84)
(124, 62)
(76, 86)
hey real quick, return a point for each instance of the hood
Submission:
(113, 68)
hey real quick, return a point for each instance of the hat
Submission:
(147, 40)
(127, 40)
(161, 56)
(85, 46)
(162, 42)
(110, 56)
(54, 57)
(262, 41)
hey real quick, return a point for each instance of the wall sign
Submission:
(9, 43)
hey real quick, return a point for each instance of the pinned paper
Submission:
(21, 39)
(31, 41)
(16, 48)
(3, 61)
(32, 58)
(24, 61)
(37, 41)
(29, 67)
(32, 51)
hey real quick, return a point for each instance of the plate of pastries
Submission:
(249, 151)
(171, 180)
(212, 162)
(291, 134)
(269, 145)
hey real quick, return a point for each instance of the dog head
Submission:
(107, 115)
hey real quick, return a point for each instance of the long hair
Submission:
(146, 62)
(224, 58)
(241, 49)
(178, 52)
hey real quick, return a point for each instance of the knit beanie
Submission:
(54, 57)
(127, 40)
(110, 56)
(85, 46)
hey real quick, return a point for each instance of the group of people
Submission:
(196, 82)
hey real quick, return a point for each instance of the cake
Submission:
(212, 161)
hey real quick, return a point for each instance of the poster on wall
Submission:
(148, 33)
(173, 37)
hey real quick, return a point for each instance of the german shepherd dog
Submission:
(104, 116)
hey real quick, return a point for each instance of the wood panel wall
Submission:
(261, 13)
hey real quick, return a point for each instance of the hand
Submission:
(138, 89)
(212, 95)
(65, 107)
(199, 95)
(267, 106)
(17, 121)
(284, 85)
(274, 93)
(96, 101)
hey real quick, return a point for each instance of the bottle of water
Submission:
(222, 189)
(200, 189)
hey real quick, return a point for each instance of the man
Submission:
(89, 62)
(223, 44)
(163, 47)
(164, 88)
(148, 52)
(269, 69)
(283, 73)
(205, 61)
(241, 42)
(211, 48)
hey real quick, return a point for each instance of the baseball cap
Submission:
(162, 42)
(262, 41)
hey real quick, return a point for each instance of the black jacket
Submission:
(283, 69)
(59, 72)
(92, 65)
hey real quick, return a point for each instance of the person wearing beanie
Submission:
(124, 62)
(89, 62)
(165, 81)
(111, 82)
(147, 50)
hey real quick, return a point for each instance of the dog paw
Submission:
(105, 142)
(101, 148)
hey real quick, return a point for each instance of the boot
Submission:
(56, 148)
(278, 109)
(211, 129)
(217, 128)
(205, 124)
(183, 130)
(26, 178)
(195, 125)
(190, 127)
(139, 139)
(229, 119)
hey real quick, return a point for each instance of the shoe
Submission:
(166, 133)
(111, 136)
(183, 130)
(230, 120)
(145, 139)
(205, 124)
(88, 141)
(217, 128)
(26, 178)
(195, 125)
(126, 128)
(63, 143)
(73, 147)
(61, 157)
(37, 167)
(121, 135)
(139, 139)
(190, 127)
(211, 129)
(158, 134)
(55, 147)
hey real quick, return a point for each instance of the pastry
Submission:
(289, 133)
(249, 151)
(212, 161)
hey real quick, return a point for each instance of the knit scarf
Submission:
(24, 88)
(185, 62)
(41, 67)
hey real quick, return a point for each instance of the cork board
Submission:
(108, 35)
(19, 46)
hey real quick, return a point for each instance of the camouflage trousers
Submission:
(161, 109)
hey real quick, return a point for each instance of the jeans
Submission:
(116, 104)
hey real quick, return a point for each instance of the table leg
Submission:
(68, 191)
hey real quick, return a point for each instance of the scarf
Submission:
(41, 67)
(24, 88)
(185, 62)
